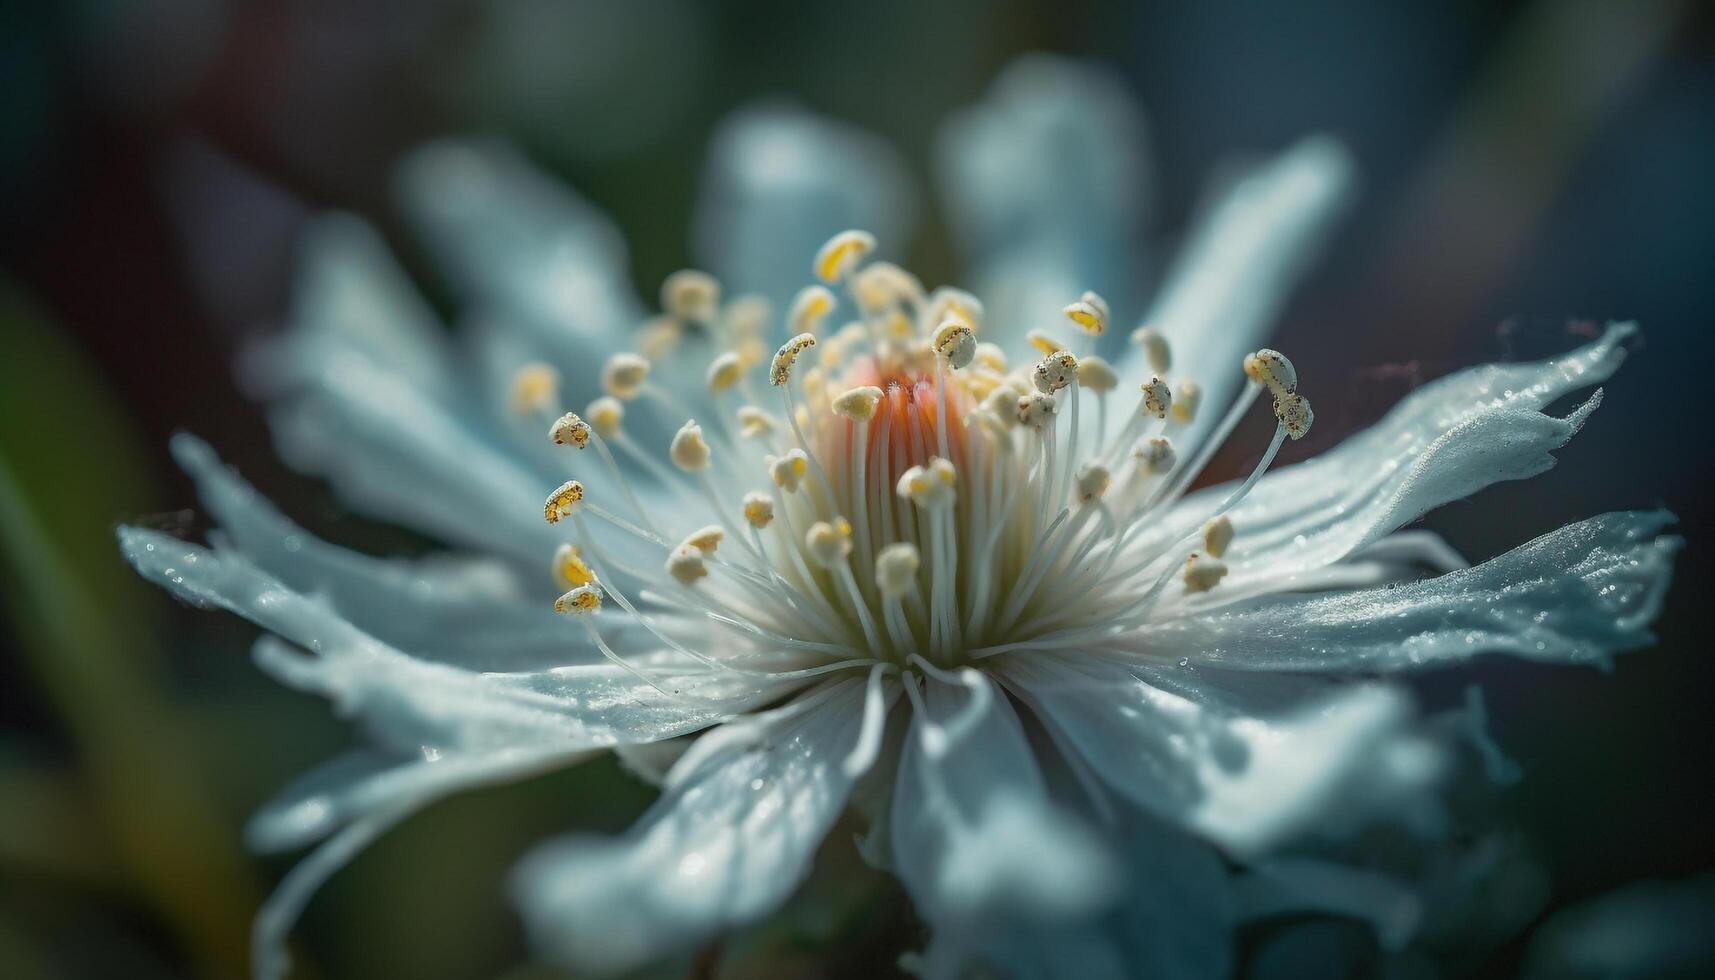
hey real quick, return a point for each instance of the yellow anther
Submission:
(605, 415)
(569, 430)
(1271, 369)
(691, 295)
(949, 301)
(758, 509)
(1217, 535)
(809, 308)
(570, 569)
(1093, 479)
(689, 451)
(658, 336)
(1096, 374)
(1034, 410)
(1090, 313)
(705, 539)
(1154, 455)
(747, 316)
(754, 423)
(1002, 403)
(1157, 398)
(1155, 349)
(1186, 397)
(686, 565)
(955, 341)
(1293, 411)
(535, 389)
(836, 259)
(581, 601)
(787, 471)
(858, 404)
(980, 381)
(1054, 372)
(563, 501)
(898, 325)
(991, 356)
(780, 371)
(930, 486)
(1043, 342)
(724, 372)
(896, 569)
(623, 375)
(881, 285)
(829, 544)
(1203, 573)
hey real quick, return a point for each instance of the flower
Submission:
(918, 561)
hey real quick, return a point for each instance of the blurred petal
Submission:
(779, 182)
(1444, 442)
(1247, 781)
(1046, 180)
(1642, 931)
(999, 871)
(730, 839)
(1295, 885)
(1235, 273)
(1578, 595)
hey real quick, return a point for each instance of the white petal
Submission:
(1232, 278)
(1577, 595)
(989, 860)
(1246, 781)
(1047, 184)
(730, 839)
(1444, 442)
(411, 704)
(519, 243)
(780, 182)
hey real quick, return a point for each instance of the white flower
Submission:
(1064, 691)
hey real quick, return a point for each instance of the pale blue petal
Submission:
(779, 182)
(1577, 595)
(1235, 273)
(730, 839)
(1444, 442)
(1046, 180)
(1000, 872)
(1175, 748)
(1296, 885)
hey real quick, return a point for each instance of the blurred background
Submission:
(1528, 168)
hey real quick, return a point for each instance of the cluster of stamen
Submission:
(906, 498)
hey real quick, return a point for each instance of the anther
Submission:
(623, 375)
(858, 404)
(686, 565)
(880, 285)
(753, 422)
(836, 259)
(780, 371)
(535, 388)
(569, 430)
(705, 539)
(1155, 349)
(1203, 573)
(1096, 374)
(951, 301)
(809, 308)
(562, 502)
(691, 295)
(1271, 369)
(724, 372)
(581, 601)
(657, 337)
(992, 356)
(747, 316)
(1092, 482)
(1186, 398)
(758, 509)
(955, 341)
(1217, 535)
(1293, 412)
(829, 544)
(932, 485)
(688, 451)
(570, 569)
(1090, 313)
(1157, 399)
(1034, 410)
(787, 471)
(605, 415)
(1154, 455)
(896, 569)
(1044, 342)
(1054, 372)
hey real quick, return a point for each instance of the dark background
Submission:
(1527, 168)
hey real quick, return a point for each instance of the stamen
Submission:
(686, 565)
(1272, 370)
(809, 308)
(580, 601)
(1090, 313)
(1093, 479)
(535, 389)
(955, 341)
(689, 451)
(1155, 349)
(758, 509)
(842, 253)
(691, 295)
(570, 570)
(1187, 396)
(569, 430)
(606, 414)
(724, 372)
(563, 502)
(1217, 535)
(781, 371)
(1055, 371)
(754, 423)
(1203, 573)
(787, 471)
(622, 376)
